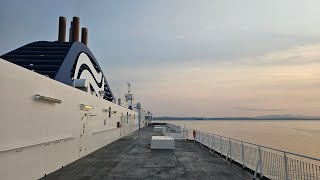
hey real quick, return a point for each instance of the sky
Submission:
(212, 58)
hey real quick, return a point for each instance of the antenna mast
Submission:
(129, 96)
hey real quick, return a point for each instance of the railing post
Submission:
(286, 168)
(242, 149)
(214, 146)
(230, 149)
(196, 137)
(261, 167)
(183, 133)
(259, 164)
(202, 141)
(257, 167)
(186, 133)
(221, 145)
(212, 143)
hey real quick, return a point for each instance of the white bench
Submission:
(162, 142)
(158, 128)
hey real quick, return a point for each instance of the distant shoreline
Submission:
(219, 119)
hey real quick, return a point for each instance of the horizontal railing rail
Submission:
(264, 161)
(103, 130)
(46, 142)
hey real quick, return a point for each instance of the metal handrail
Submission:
(36, 144)
(288, 152)
(265, 161)
(103, 130)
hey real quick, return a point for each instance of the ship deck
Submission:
(131, 158)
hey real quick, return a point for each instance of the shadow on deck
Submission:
(131, 158)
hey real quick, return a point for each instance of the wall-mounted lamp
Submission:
(46, 99)
(85, 107)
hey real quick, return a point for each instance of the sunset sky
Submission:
(213, 58)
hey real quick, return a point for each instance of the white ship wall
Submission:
(37, 138)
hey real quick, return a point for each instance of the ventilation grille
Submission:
(42, 57)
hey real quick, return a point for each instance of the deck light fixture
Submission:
(85, 107)
(46, 99)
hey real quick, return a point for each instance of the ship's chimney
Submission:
(62, 29)
(70, 32)
(75, 29)
(84, 36)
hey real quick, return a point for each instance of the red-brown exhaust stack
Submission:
(75, 29)
(84, 36)
(62, 29)
(70, 31)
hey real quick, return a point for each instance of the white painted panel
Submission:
(26, 164)
(26, 122)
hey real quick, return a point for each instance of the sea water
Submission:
(298, 136)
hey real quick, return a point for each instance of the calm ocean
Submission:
(299, 136)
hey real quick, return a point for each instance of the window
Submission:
(105, 122)
(109, 112)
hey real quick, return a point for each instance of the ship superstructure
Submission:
(56, 106)
(67, 62)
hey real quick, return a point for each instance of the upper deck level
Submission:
(131, 158)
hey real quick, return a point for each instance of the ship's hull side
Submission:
(39, 137)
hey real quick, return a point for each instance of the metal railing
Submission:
(264, 161)
(44, 142)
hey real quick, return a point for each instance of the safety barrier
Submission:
(264, 161)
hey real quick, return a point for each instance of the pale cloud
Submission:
(214, 89)
(301, 54)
